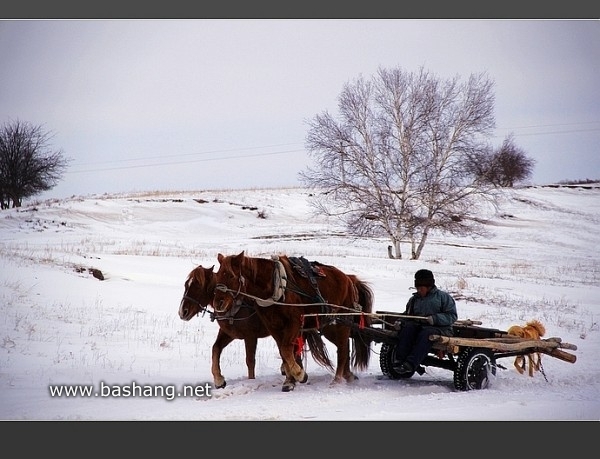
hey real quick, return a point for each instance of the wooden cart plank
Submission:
(510, 344)
(559, 354)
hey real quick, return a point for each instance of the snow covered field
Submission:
(61, 326)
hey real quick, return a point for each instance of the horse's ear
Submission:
(241, 254)
(220, 257)
(212, 268)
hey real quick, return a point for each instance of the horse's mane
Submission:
(256, 266)
(192, 275)
(197, 272)
(252, 264)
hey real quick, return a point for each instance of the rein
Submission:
(230, 315)
(269, 301)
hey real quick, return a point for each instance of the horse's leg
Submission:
(285, 338)
(223, 339)
(349, 376)
(250, 344)
(297, 355)
(293, 371)
(341, 338)
(343, 358)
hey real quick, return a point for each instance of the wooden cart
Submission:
(472, 352)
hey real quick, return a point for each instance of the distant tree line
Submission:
(28, 164)
(579, 182)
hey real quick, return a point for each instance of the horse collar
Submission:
(279, 279)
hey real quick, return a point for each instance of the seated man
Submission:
(439, 311)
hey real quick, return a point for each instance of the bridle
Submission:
(223, 288)
(234, 293)
(186, 297)
(203, 308)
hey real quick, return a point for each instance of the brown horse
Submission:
(241, 322)
(290, 299)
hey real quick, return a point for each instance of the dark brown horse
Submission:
(291, 299)
(241, 322)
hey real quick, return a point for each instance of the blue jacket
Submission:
(438, 304)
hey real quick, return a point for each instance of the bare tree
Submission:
(510, 165)
(503, 167)
(28, 165)
(392, 164)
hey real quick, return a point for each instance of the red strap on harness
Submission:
(299, 345)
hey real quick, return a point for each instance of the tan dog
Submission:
(533, 330)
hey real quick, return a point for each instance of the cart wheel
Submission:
(473, 367)
(387, 357)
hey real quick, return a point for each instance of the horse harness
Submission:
(310, 270)
(230, 315)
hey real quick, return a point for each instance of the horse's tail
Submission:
(361, 346)
(317, 348)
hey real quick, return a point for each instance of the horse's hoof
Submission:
(305, 378)
(287, 387)
(221, 386)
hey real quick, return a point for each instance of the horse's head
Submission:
(198, 292)
(229, 282)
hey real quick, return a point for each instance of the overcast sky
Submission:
(142, 105)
